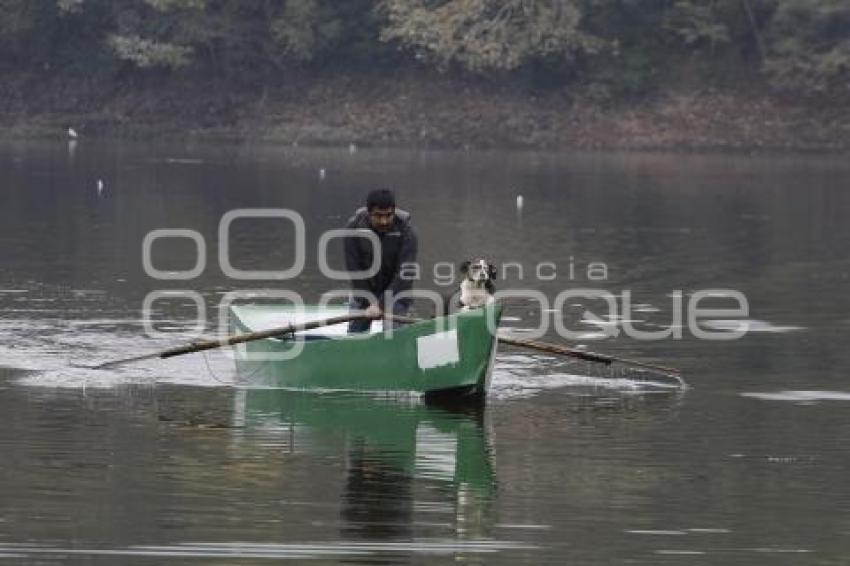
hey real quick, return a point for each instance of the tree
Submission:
(487, 35)
(306, 29)
(695, 24)
(809, 46)
(150, 53)
(26, 27)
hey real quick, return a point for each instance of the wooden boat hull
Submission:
(444, 357)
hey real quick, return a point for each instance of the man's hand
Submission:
(374, 311)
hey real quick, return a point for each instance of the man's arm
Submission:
(354, 261)
(403, 278)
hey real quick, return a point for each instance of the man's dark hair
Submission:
(380, 198)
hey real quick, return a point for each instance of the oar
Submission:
(572, 352)
(588, 356)
(231, 340)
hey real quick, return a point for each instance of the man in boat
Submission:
(398, 249)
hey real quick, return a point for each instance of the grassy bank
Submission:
(414, 110)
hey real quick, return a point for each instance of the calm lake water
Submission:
(176, 460)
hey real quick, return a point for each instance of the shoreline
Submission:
(417, 111)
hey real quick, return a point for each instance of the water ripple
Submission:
(800, 396)
(276, 550)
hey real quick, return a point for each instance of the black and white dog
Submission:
(477, 288)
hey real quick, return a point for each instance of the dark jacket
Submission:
(398, 246)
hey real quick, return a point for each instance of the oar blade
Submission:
(648, 376)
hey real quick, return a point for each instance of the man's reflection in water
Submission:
(378, 500)
(381, 485)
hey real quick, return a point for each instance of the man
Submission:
(398, 249)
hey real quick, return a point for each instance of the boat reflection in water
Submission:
(407, 464)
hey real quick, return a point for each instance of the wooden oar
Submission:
(572, 352)
(231, 340)
(588, 356)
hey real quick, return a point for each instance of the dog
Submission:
(477, 287)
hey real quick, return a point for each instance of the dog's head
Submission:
(480, 272)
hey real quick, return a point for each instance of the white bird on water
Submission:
(519, 202)
(72, 133)
(322, 174)
(99, 187)
(352, 148)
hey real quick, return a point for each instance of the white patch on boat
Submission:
(437, 350)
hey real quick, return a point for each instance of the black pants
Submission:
(400, 308)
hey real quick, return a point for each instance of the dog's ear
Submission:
(491, 271)
(464, 267)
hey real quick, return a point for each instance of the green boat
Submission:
(447, 357)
